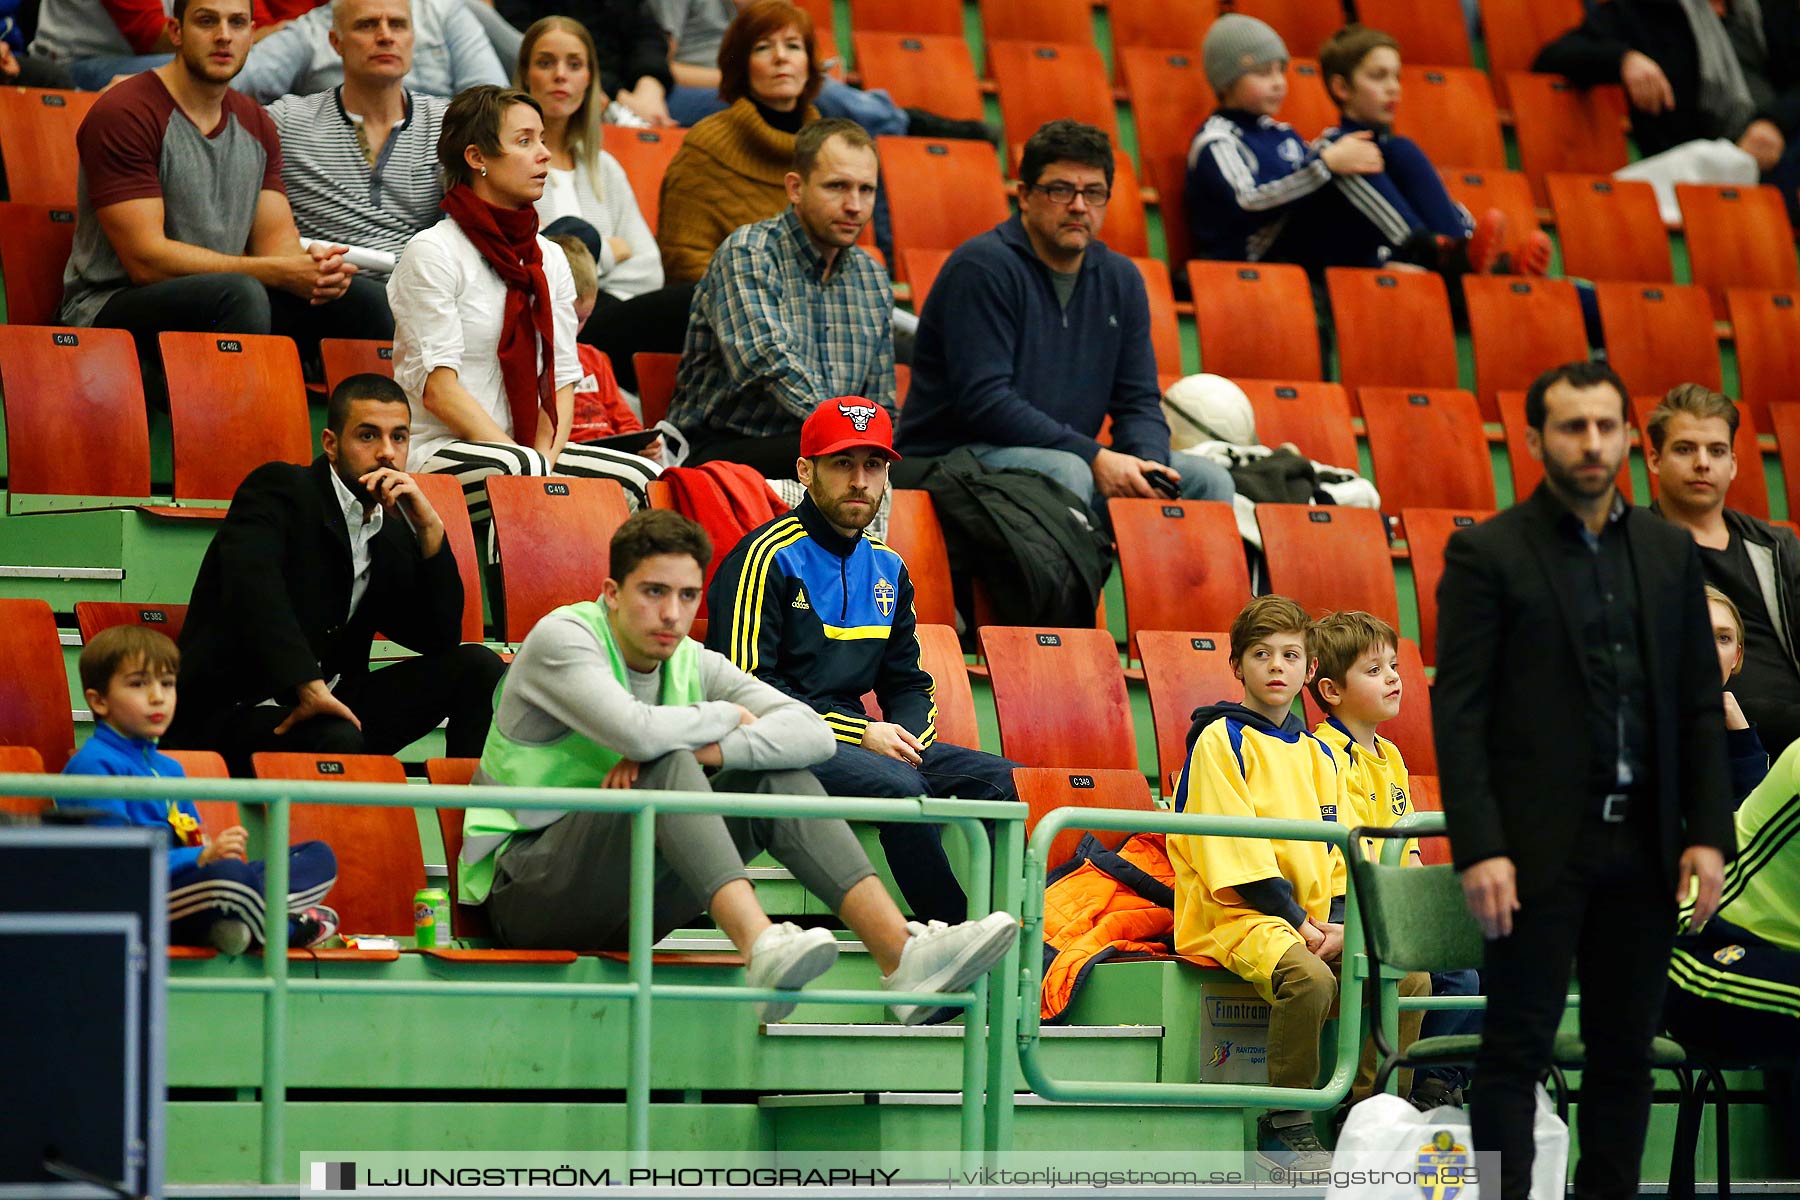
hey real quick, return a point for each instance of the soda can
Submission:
(431, 918)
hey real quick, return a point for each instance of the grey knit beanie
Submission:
(1237, 45)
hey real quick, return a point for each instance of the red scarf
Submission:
(507, 239)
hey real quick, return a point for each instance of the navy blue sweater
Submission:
(999, 360)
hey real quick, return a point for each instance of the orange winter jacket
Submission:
(1103, 903)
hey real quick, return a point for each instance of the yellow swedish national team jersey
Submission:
(1239, 771)
(1377, 789)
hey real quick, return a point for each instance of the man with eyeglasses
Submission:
(1034, 333)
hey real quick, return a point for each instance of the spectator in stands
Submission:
(1035, 333)
(1262, 908)
(215, 897)
(360, 161)
(791, 313)
(451, 53)
(89, 44)
(484, 314)
(600, 409)
(811, 606)
(1402, 212)
(1749, 761)
(19, 68)
(183, 222)
(1753, 562)
(308, 564)
(1696, 69)
(613, 694)
(1581, 755)
(631, 53)
(588, 195)
(733, 166)
(1356, 683)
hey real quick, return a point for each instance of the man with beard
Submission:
(1581, 743)
(183, 222)
(810, 605)
(307, 565)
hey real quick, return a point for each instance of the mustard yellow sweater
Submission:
(728, 172)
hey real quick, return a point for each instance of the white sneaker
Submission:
(947, 958)
(788, 957)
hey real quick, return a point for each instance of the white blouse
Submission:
(448, 305)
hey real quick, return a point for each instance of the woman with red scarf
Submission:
(484, 314)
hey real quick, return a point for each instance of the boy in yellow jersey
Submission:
(1261, 908)
(1356, 683)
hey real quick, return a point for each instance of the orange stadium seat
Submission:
(22, 760)
(1737, 237)
(940, 653)
(380, 864)
(1181, 563)
(1428, 449)
(37, 143)
(1411, 730)
(1610, 228)
(234, 403)
(1046, 789)
(1315, 417)
(1042, 81)
(1657, 337)
(445, 494)
(656, 382)
(916, 536)
(1170, 101)
(1046, 722)
(1309, 107)
(1393, 329)
(1037, 21)
(1784, 423)
(1508, 191)
(1450, 112)
(34, 249)
(1304, 25)
(1126, 230)
(344, 357)
(1528, 472)
(922, 71)
(1749, 492)
(555, 540)
(75, 419)
(1515, 30)
(1428, 531)
(1182, 671)
(91, 616)
(1765, 327)
(1160, 24)
(1255, 320)
(1329, 558)
(941, 17)
(1427, 797)
(1430, 32)
(940, 193)
(34, 688)
(645, 155)
(921, 268)
(1165, 327)
(1520, 328)
(208, 764)
(1561, 127)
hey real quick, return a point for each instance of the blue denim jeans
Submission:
(1201, 479)
(92, 74)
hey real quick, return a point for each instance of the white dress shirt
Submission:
(363, 525)
(448, 306)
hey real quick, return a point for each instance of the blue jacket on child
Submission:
(109, 752)
(1245, 174)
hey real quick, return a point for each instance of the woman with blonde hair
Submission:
(588, 195)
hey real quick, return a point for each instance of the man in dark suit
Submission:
(1581, 750)
(308, 564)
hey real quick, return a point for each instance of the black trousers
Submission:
(772, 456)
(230, 303)
(1610, 915)
(655, 322)
(397, 705)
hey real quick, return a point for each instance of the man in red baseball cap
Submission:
(808, 604)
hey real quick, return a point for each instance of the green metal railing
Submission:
(987, 1069)
(1212, 1095)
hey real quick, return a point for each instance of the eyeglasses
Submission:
(1065, 193)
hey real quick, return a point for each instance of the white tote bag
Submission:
(1389, 1150)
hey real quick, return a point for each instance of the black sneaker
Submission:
(1431, 1093)
(926, 124)
(1285, 1142)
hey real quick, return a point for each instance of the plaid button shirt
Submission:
(771, 335)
